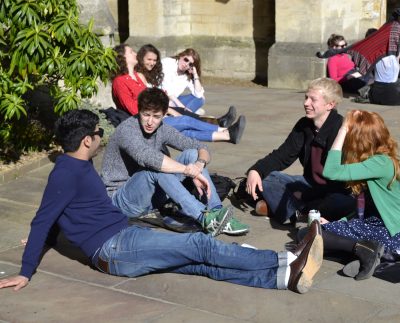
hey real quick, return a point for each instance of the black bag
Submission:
(223, 186)
(242, 196)
(389, 271)
(168, 220)
(115, 116)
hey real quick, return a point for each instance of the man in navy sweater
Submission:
(75, 200)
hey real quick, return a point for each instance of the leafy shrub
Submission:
(42, 43)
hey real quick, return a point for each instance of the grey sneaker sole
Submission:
(352, 269)
(227, 217)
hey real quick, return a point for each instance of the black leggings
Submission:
(332, 241)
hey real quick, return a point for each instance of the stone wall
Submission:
(245, 39)
(302, 29)
(232, 37)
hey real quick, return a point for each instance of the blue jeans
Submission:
(191, 127)
(278, 189)
(147, 190)
(191, 102)
(137, 251)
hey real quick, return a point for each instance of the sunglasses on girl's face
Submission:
(341, 46)
(188, 61)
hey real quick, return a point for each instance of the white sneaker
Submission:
(201, 112)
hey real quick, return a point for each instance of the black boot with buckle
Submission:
(369, 253)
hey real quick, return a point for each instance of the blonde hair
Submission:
(330, 89)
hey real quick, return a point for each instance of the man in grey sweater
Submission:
(140, 175)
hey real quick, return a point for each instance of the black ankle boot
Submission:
(236, 130)
(369, 253)
(227, 119)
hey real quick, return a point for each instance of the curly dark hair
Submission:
(153, 99)
(196, 60)
(156, 75)
(73, 126)
(121, 61)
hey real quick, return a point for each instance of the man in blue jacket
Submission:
(75, 201)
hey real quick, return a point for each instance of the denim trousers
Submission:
(147, 190)
(191, 102)
(278, 189)
(191, 127)
(138, 251)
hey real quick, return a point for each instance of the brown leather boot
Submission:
(307, 264)
(313, 231)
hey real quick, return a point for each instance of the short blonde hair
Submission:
(331, 90)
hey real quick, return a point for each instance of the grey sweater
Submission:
(130, 150)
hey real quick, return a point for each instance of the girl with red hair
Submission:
(365, 155)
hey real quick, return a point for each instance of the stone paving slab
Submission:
(28, 190)
(66, 300)
(67, 289)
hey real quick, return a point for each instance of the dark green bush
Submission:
(42, 44)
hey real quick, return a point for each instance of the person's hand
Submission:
(356, 74)
(193, 71)
(323, 220)
(192, 170)
(253, 182)
(344, 126)
(202, 185)
(17, 281)
(199, 165)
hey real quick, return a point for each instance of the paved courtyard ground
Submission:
(66, 289)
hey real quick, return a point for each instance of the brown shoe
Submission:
(313, 230)
(307, 264)
(262, 208)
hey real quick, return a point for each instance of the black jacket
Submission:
(298, 145)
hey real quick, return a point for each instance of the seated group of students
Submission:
(174, 75)
(377, 81)
(344, 160)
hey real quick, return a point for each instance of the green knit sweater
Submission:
(378, 171)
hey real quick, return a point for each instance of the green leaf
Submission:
(12, 106)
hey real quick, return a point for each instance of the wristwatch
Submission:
(202, 161)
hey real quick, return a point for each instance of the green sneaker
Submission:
(235, 228)
(215, 221)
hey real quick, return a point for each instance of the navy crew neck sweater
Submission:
(76, 199)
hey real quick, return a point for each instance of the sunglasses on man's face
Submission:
(99, 132)
(188, 61)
